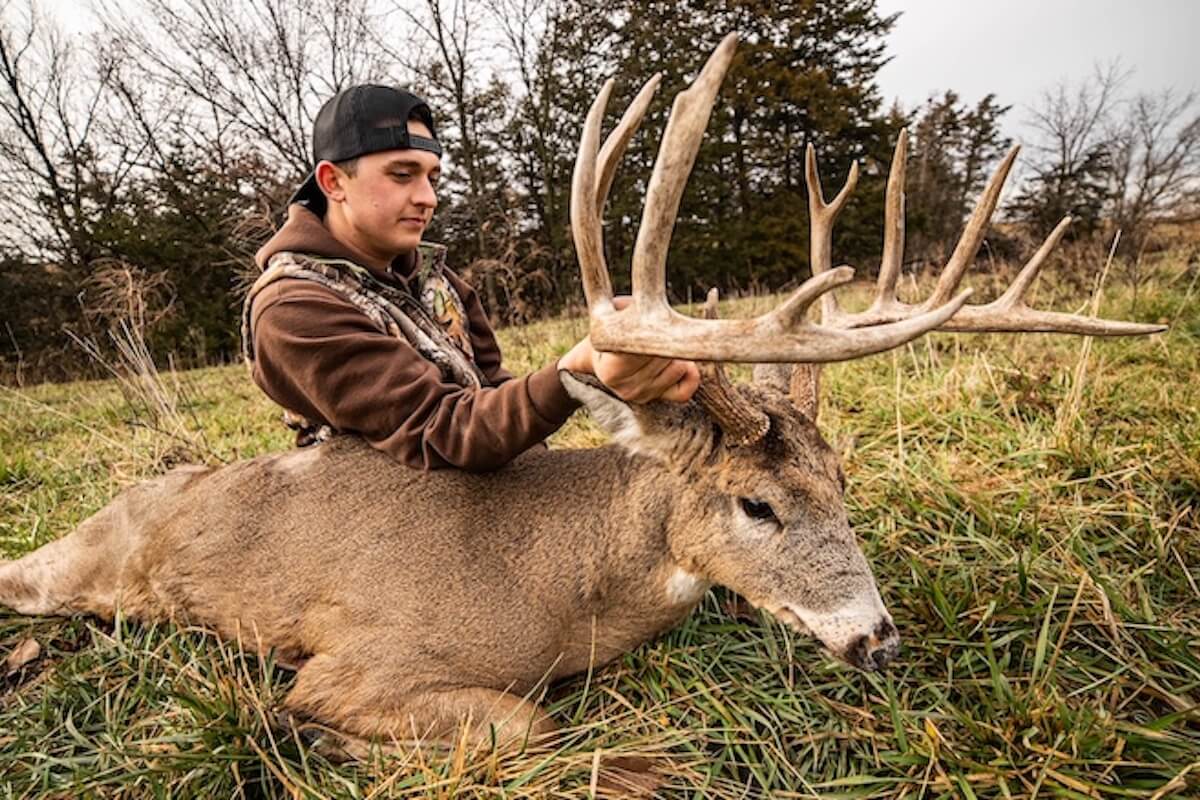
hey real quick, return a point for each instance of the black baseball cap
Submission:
(364, 119)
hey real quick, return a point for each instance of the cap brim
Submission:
(310, 196)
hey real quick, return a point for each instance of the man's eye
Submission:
(757, 509)
(403, 176)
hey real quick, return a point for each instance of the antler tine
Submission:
(1008, 312)
(972, 236)
(614, 146)
(676, 155)
(795, 308)
(585, 213)
(1015, 294)
(893, 228)
(821, 216)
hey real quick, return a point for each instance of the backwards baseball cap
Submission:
(359, 120)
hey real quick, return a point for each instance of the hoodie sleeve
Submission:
(483, 339)
(319, 356)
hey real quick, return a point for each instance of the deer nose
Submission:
(875, 650)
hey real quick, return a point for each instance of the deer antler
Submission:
(741, 422)
(649, 325)
(1007, 313)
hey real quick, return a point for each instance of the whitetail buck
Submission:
(413, 601)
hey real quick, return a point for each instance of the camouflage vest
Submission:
(430, 316)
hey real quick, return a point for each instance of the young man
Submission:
(357, 326)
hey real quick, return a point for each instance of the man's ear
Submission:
(660, 430)
(330, 178)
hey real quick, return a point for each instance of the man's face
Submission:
(390, 199)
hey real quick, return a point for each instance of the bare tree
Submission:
(253, 72)
(545, 110)
(1073, 119)
(55, 171)
(1071, 169)
(472, 111)
(1112, 161)
(1155, 163)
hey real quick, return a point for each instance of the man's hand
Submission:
(633, 378)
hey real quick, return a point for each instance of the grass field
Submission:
(1029, 504)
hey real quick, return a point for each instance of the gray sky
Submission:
(1018, 48)
(1015, 48)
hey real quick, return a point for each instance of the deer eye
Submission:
(757, 509)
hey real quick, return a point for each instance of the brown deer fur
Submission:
(412, 601)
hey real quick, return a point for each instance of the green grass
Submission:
(1029, 504)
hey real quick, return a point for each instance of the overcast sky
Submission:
(1014, 48)
(1018, 48)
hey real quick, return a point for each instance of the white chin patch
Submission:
(840, 628)
(685, 588)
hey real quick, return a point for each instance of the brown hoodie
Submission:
(318, 355)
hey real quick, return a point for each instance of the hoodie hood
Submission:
(305, 232)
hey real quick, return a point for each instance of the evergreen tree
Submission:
(805, 72)
(1079, 188)
(953, 149)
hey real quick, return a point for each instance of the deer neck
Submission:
(628, 586)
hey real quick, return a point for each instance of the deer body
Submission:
(394, 589)
(447, 578)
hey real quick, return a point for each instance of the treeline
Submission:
(142, 165)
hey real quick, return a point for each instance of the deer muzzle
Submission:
(875, 650)
(861, 632)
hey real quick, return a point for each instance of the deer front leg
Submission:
(360, 731)
(367, 705)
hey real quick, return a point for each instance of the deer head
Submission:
(764, 506)
(764, 518)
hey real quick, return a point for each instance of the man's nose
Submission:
(425, 196)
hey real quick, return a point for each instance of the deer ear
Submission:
(800, 382)
(614, 416)
(665, 432)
